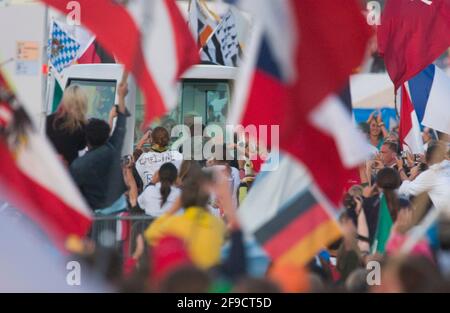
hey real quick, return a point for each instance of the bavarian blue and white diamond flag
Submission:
(62, 48)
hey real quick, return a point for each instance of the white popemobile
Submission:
(199, 90)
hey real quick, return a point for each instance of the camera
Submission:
(126, 160)
(349, 202)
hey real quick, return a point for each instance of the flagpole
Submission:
(396, 103)
(45, 82)
(6, 62)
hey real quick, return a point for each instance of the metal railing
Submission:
(119, 231)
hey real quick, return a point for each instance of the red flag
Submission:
(33, 179)
(412, 35)
(150, 38)
(95, 54)
(409, 128)
(296, 59)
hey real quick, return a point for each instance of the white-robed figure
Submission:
(435, 181)
(150, 162)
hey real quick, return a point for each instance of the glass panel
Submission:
(101, 96)
(206, 99)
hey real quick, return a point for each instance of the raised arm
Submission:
(119, 132)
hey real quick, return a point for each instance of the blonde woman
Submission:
(65, 128)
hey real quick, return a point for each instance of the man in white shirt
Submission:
(435, 181)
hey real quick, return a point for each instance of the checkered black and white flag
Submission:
(223, 46)
(62, 49)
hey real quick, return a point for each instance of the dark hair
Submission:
(364, 127)
(393, 146)
(186, 279)
(168, 174)
(389, 180)
(192, 192)
(160, 136)
(404, 204)
(97, 132)
(185, 169)
(418, 274)
(435, 152)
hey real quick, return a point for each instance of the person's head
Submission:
(160, 137)
(185, 169)
(427, 135)
(392, 137)
(356, 282)
(409, 274)
(73, 108)
(97, 133)
(375, 129)
(389, 180)
(388, 153)
(168, 174)
(193, 191)
(436, 152)
(187, 279)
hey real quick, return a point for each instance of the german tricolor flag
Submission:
(298, 231)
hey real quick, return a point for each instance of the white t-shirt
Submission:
(150, 162)
(150, 200)
(435, 181)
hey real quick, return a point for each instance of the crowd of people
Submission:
(195, 242)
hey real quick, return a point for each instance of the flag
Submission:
(295, 60)
(150, 38)
(90, 52)
(62, 48)
(430, 94)
(412, 35)
(33, 178)
(383, 227)
(222, 47)
(202, 21)
(409, 130)
(94, 54)
(287, 215)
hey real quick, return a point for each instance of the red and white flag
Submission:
(409, 129)
(412, 35)
(33, 178)
(295, 61)
(151, 39)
